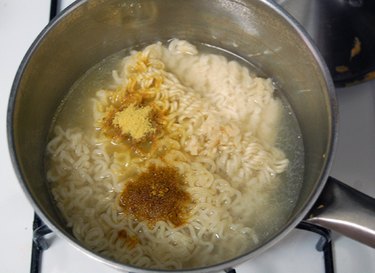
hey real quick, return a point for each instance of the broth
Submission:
(235, 206)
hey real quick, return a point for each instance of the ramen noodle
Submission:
(172, 161)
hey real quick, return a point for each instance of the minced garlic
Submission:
(134, 121)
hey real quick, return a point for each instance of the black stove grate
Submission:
(323, 245)
(40, 230)
(55, 7)
(39, 243)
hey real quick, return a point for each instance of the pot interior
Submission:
(89, 31)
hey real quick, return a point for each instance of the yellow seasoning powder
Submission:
(134, 121)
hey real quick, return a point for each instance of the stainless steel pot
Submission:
(259, 31)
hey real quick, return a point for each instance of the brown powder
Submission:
(157, 195)
(130, 241)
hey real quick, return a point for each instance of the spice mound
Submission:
(134, 113)
(134, 121)
(157, 195)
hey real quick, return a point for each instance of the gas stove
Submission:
(20, 23)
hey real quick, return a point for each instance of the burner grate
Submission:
(323, 245)
(40, 230)
(39, 243)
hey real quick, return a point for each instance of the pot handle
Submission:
(345, 210)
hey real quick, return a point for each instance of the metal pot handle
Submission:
(345, 210)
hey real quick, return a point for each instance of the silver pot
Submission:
(260, 31)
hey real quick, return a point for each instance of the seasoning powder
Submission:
(134, 121)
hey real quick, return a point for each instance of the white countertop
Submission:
(22, 20)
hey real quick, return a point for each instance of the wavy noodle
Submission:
(223, 144)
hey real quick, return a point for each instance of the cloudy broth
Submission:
(265, 215)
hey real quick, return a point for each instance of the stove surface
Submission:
(20, 23)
